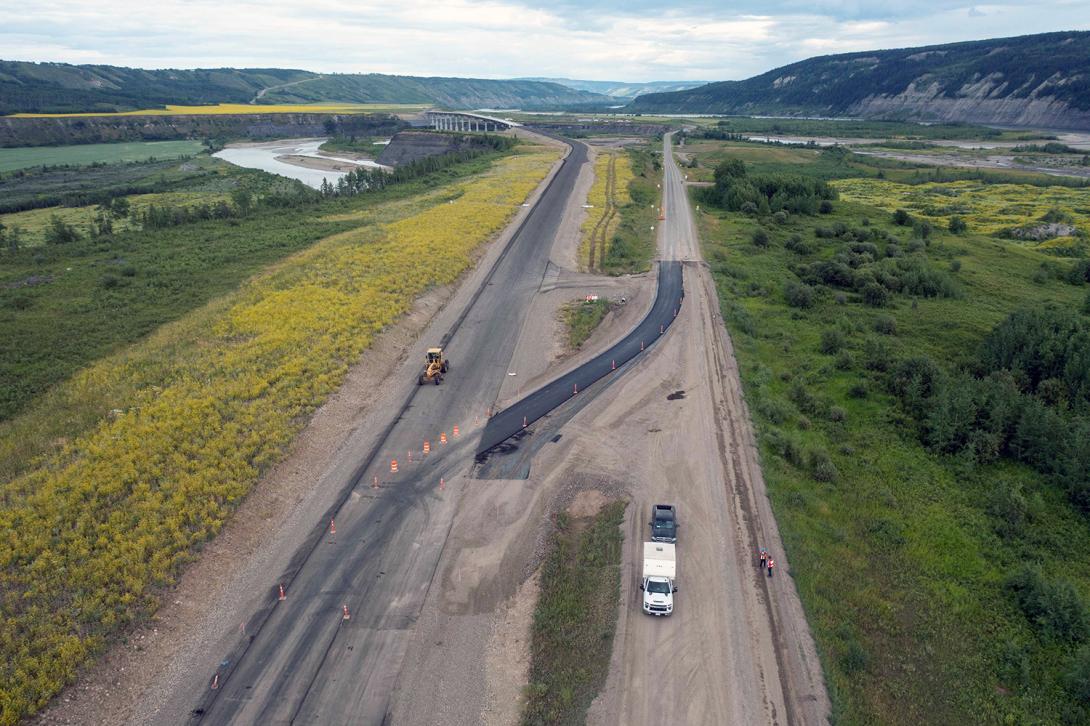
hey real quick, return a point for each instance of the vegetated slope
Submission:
(620, 89)
(1031, 80)
(63, 88)
(930, 486)
(447, 92)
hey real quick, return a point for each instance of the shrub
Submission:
(1053, 608)
(826, 207)
(798, 295)
(748, 208)
(1086, 305)
(110, 281)
(902, 218)
(776, 411)
(822, 467)
(875, 295)
(845, 361)
(1009, 508)
(957, 225)
(832, 340)
(854, 659)
(885, 325)
(837, 414)
(858, 390)
(760, 237)
(876, 355)
(1077, 679)
(1080, 273)
(893, 250)
(780, 217)
(955, 266)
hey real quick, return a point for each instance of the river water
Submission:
(265, 155)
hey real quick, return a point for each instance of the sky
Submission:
(617, 40)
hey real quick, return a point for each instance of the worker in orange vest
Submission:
(764, 557)
(771, 564)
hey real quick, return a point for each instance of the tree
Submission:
(798, 295)
(242, 200)
(60, 232)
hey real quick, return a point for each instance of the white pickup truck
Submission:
(659, 571)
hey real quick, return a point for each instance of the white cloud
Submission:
(494, 38)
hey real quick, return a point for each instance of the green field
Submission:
(24, 157)
(905, 557)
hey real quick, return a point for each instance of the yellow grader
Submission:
(435, 366)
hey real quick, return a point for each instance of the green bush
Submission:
(902, 218)
(760, 237)
(957, 225)
(1053, 608)
(822, 467)
(832, 340)
(798, 295)
(886, 325)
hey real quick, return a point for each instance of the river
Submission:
(307, 165)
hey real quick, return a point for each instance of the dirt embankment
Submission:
(104, 129)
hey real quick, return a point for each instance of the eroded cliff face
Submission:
(988, 99)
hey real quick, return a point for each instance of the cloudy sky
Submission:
(627, 40)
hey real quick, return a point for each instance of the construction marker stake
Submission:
(332, 526)
(283, 595)
(523, 422)
(662, 328)
(427, 447)
(346, 615)
(215, 681)
(443, 438)
(574, 388)
(442, 483)
(613, 365)
(393, 465)
(455, 432)
(374, 483)
(641, 346)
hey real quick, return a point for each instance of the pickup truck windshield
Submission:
(661, 588)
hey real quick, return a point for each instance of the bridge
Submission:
(465, 121)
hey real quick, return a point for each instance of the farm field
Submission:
(911, 562)
(140, 456)
(12, 159)
(246, 108)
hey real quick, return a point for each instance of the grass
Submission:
(34, 222)
(610, 191)
(987, 208)
(116, 476)
(22, 157)
(897, 558)
(632, 244)
(246, 108)
(575, 618)
(582, 318)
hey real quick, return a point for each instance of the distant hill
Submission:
(63, 88)
(619, 89)
(1031, 80)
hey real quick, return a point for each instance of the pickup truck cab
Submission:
(664, 523)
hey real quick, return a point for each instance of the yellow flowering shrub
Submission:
(202, 407)
(986, 208)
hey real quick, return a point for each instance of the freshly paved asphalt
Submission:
(524, 412)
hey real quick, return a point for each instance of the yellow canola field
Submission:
(986, 208)
(599, 200)
(246, 108)
(202, 408)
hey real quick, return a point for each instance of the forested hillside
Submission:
(1031, 80)
(64, 88)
